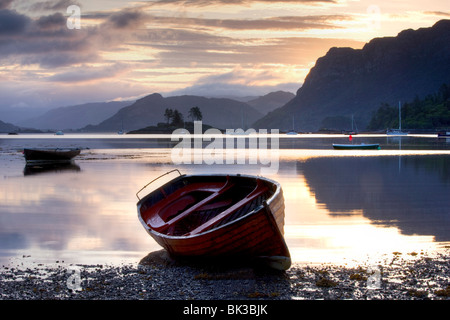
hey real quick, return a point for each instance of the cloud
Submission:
(53, 5)
(60, 59)
(48, 47)
(237, 82)
(86, 73)
(232, 90)
(127, 19)
(56, 20)
(44, 40)
(12, 23)
(438, 13)
(272, 23)
(182, 41)
(184, 48)
(236, 2)
(47, 41)
(4, 4)
(139, 48)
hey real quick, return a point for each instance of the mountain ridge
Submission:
(270, 101)
(88, 117)
(348, 81)
(6, 127)
(149, 110)
(75, 117)
(217, 112)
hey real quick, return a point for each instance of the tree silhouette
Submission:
(195, 114)
(168, 114)
(177, 118)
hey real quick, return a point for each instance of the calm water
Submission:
(340, 206)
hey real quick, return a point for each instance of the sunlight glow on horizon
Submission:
(130, 42)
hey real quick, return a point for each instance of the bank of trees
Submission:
(431, 112)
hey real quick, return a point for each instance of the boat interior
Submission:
(193, 205)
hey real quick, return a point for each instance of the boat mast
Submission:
(399, 116)
(354, 126)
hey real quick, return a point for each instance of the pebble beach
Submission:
(158, 277)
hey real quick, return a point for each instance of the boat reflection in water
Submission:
(46, 160)
(48, 167)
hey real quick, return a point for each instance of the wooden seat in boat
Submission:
(183, 202)
(259, 190)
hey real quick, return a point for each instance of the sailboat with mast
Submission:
(398, 132)
(354, 130)
(121, 130)
(292, 131)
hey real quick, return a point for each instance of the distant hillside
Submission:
(8, 127)
(271, 101)
(149, 111)
(431, 112)
(75, 117)
(348, 82)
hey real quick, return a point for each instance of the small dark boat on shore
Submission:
(236, 217)
(50, 154)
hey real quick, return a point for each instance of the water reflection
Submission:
(410, 193)
(80, 216)
(335, 201)
(36, 168)
(301, 141)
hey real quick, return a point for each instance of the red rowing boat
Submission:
(217, 216)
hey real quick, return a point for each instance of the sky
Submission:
(65, 52)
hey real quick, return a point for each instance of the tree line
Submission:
(431, 112)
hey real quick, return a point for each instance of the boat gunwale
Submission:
(213, 229)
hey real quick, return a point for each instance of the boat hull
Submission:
(256, 234)
(356, 147)
(43, 155)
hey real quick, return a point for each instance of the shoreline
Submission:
(158, 277)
